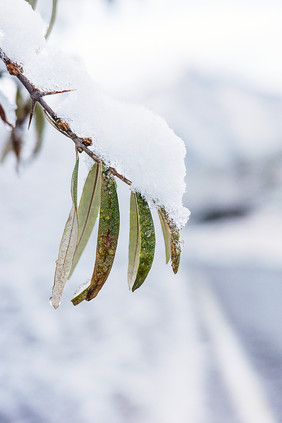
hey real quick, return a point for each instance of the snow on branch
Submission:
(137, 146)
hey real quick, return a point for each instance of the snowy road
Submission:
(240, 314)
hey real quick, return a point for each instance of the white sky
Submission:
(153, 39)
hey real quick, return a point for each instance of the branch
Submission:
(37, 97)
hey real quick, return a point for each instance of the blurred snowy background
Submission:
(201, 347)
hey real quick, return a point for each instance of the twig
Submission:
(37, 97)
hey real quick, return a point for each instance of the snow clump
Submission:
(130, 138)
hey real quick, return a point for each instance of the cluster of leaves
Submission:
(99, 196)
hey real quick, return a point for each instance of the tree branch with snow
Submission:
(124, 141)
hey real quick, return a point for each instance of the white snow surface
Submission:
(22, 30)
(138, 143)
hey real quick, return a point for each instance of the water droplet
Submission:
(52, 303)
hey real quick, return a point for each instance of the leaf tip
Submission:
(175, 268)
(80, 294)
(54, 302)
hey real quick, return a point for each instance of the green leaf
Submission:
(67, 246)
(81, 296)
(39, 126)
(107, 239)
(74, 181)
(87, 211)
(166, 234)
(52, 19)
(32, 3)
(107, 235)
(134, 241)
(141, 241)
(172, 240)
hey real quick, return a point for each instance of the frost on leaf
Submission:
(172, 240)
(67, 246)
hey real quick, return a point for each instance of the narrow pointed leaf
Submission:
(17, 143)
(78, 298)
(166, 234)
(64, 262)
(67, 246)
(142, 239)
(172, 240)
(134, 241)
(107, 235)
(175, 249)
(39, 126)
(74, 181)
(32, 3)
(87, 211)
(52, 19)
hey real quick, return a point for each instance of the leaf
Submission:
(3, 117)
(172, 240)
(52, 19)
(74, 180)
(107, 239)
(166, 234)
(32, 3)
(78, 298)
(67, 246)
(87, 211)
(107, 235)
(17, 143)
(64, 262)
(39, 126)
(141, 241)
(134, 241)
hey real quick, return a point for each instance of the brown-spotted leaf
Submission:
(141, 242)
(172, 240)
(67, 246)
(88, 210)
(107, 235)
